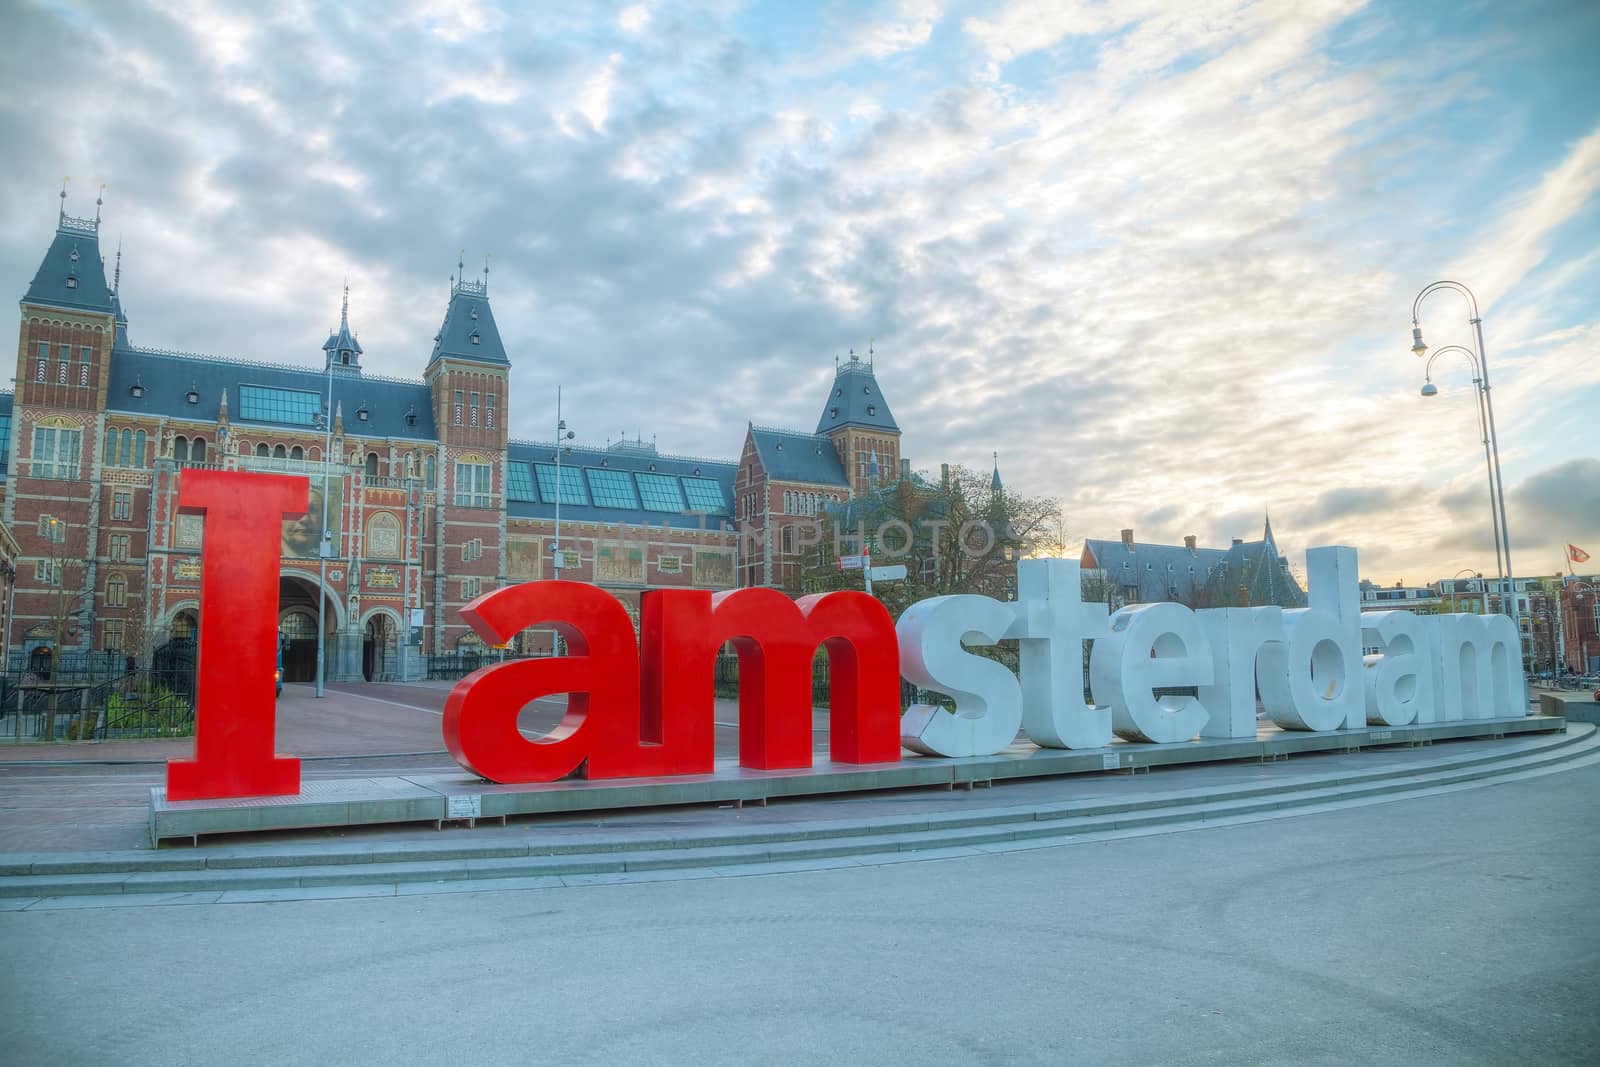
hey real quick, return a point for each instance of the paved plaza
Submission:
(1449, 929)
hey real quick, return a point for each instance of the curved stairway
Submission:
(548, 853)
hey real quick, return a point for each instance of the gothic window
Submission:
(474, 409)
(180, 449)
(197, 450)
(137, 459)
(372, 465)
(110, 457)
(489, 411)
(458, 407)
(433, 471)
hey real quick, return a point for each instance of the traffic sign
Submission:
(887, 574)
(854, 563)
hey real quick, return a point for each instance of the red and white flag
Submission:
(1576, 554)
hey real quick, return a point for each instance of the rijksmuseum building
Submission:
(429, 503)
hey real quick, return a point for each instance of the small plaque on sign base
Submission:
(464, 806)
(1108, 761)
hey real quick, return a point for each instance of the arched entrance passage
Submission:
(379, 648)
(185, 626)
(297, 627)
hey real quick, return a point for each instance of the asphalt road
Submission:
(1453, 929)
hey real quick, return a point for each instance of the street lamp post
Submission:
(558, 559)
(1481, 365)
(323, 544)
(1431, 390)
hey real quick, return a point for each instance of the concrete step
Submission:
(621, 856)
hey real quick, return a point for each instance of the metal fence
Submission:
(89, 706)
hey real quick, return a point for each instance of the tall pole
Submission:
(1483, 434)
(1508, 580)
(556, 559)
(1500, 483)
(323, 542)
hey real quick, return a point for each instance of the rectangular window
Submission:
(472, 550)
(122, 506)
(458, 408)
(116, 593)
(472, 485)
(119, 548)
(281, 407)
(572, 491)
(84, 353)
(705, 495)
(659, 492)
(519, 482)
(469, 588)
(55, 452)
(611, 489)
(47, 572)
(489, 418)
(112, 641)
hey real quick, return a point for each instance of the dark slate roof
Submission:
(1198, 577)
(467, 315)
(856, 400)
(342, 340)
(168, 376)
(1160, 572)
(796, 456)
(74, 253)
(621, 458)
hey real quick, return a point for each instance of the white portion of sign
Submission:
(887, 574)
(1311, 680)
(1237, 636)
(988, 698)
(1051, 622)
(1152, 646)
(1399, 683)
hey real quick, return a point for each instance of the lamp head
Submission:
(1429, 389)
(1418, 346)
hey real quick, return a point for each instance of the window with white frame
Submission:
(469, 588)
(55, 451)
(472, 485)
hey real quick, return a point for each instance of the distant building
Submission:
(1245, 574)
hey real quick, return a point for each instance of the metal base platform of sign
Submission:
(458, 796)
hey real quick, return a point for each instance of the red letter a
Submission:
(235, 712)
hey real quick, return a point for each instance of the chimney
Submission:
(1238, 540)
(1127, 538)
(1188, 542)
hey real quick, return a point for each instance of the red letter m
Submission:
(681, 632)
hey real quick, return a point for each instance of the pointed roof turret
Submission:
(72, 274)
(344, 351)
(855, 400)
(468, 331)
(995, 485)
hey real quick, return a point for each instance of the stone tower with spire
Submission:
(468, 376)
(856, 420)
(52, 500)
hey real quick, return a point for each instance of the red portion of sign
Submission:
(776, 639)
(235, 709)
(600, 674)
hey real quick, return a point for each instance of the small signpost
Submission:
(854, 563)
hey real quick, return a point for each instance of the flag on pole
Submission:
(1576, 554)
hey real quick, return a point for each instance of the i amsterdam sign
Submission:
(647, 708)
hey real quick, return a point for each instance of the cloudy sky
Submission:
(1159, 255)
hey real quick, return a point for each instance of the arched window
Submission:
(180, 448)
(279, 452)
(433, 469)
(197, 450)
(372, 464)
(262, 450)
(137, 459)
(297, 452)
(110, 459)
(127, 449)
(297, 626)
